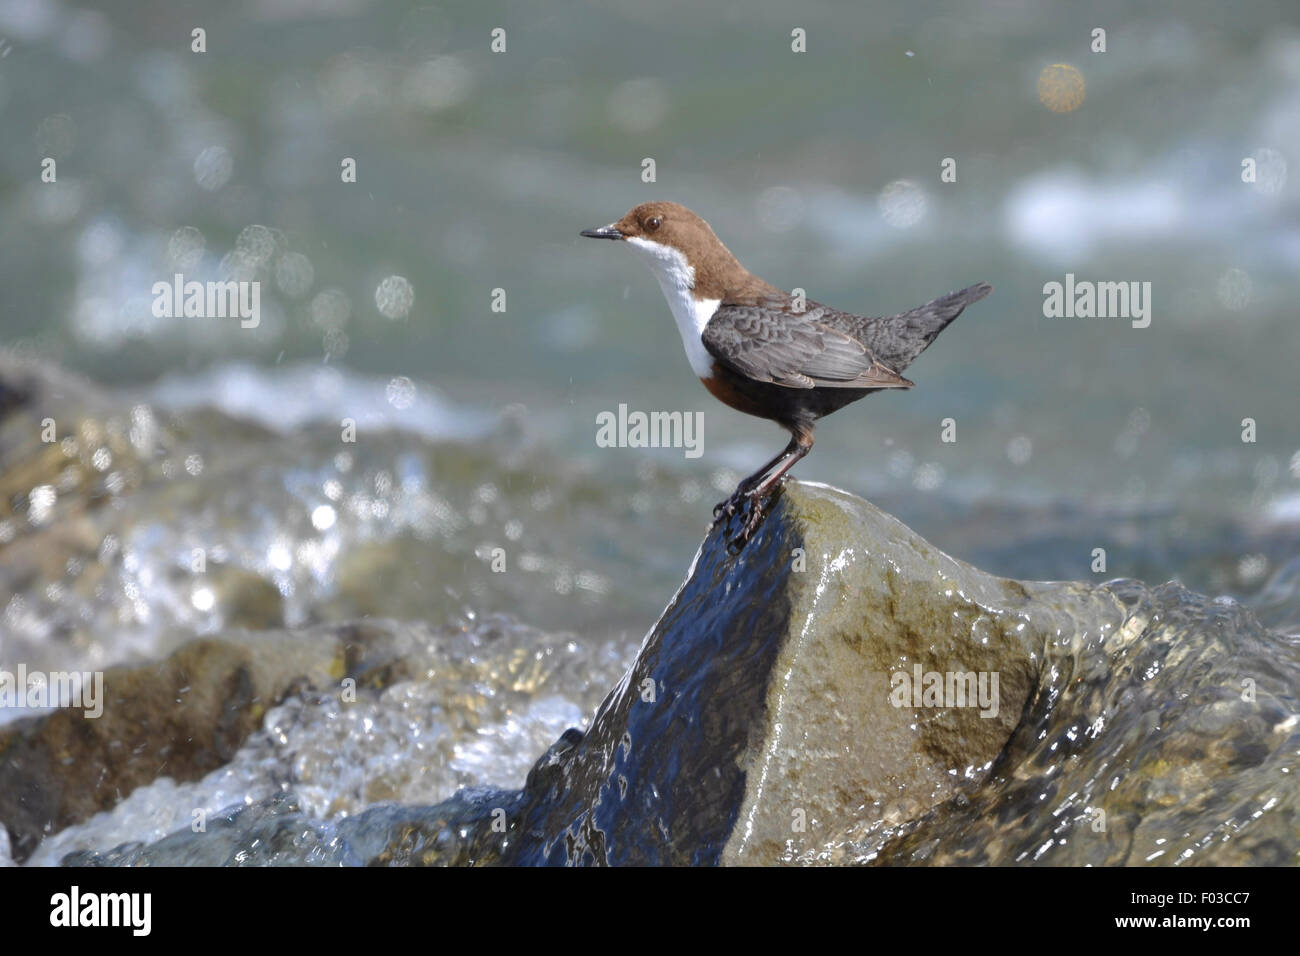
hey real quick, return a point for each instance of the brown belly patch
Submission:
(720, 386)
(776, 402)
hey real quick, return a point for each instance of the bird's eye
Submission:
(652, 224)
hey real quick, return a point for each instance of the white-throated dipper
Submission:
(764, 352)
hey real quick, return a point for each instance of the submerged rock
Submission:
(842, 692)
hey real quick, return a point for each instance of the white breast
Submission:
(677, 278)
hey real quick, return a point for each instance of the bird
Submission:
(766, 352)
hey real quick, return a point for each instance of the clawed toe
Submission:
(753, 518)
(753, 507)
(725, 510)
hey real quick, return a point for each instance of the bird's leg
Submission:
(725, 509)
(759, 496)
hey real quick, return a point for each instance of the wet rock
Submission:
(242, 836)
(65, 449)
(799, 703)
(180, 719)
(758, 715)
(1171, 739)
(276, 831)
(428, 710)
(757, 724)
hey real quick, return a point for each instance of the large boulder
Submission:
(772, 716)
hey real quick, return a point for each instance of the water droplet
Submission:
(185, 247)
(331, 309)
(294, 274)
(394, 297)
(902, 203)
(1061, 87)
(900, 464)
(213, 168)
(1270, 171)
(41, 502)
(335, 342)
(401, 392)
(279, 557)
(437, 84)
(1252, 567)
(255, 244)
(323, 518)
(928, 477)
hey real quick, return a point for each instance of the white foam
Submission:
(285, 399)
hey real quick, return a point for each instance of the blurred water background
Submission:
(475, 171)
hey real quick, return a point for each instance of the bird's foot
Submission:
(758, 503)
(724, 511)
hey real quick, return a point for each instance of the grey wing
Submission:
(897, 340)
(797, 351)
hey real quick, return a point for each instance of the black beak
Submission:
(604, 232)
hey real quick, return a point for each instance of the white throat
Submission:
(677, 278)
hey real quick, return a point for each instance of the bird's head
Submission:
(677, 244)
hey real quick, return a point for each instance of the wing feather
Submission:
(770, 344)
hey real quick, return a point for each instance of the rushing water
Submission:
(475, 172)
